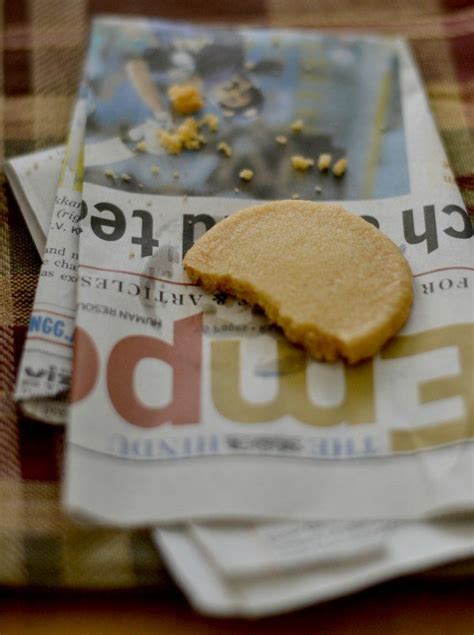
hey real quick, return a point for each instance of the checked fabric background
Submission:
(41, 51)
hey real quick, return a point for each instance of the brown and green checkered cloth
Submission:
(42, 50)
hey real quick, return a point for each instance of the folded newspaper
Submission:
(254, 570)
(196, 404)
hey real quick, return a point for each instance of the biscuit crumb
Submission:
(281, 139)
(211, 121)
(246, 174)
(131, 254)
(318, 189)
(225, 149)
(324, 161)
(189, 134)
(126, 177)
(186, 136)
(155, 169)
(249, 66)
(141, 146)
(170, 141)
(140, 185)
(236, 189)
(110, 174)
(176, 174)
(228, 113)
(185, 99)
(340, 167)
(297, 125)
(295, 195)
(301, 163)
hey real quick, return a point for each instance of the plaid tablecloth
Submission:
(42, 50)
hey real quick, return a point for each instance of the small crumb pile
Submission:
(324, 161)
(211, 121)
(297, 125)
(186, 136)
(225, 149)
(246, 174)
(185, 99)
(301, 163)
(340, 167)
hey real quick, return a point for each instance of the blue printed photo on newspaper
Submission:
(345, 91)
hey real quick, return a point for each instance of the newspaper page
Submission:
(52, 217)
(45, 368)
(196, 402)
(207, 560)
(34, 179)
(406, 547)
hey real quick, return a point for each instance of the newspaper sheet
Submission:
(196, 403)
(312, 561)
(34, 179)
(406, 547)
(230, 569)
(45, 369)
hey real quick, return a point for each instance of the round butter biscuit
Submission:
(334, 283)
